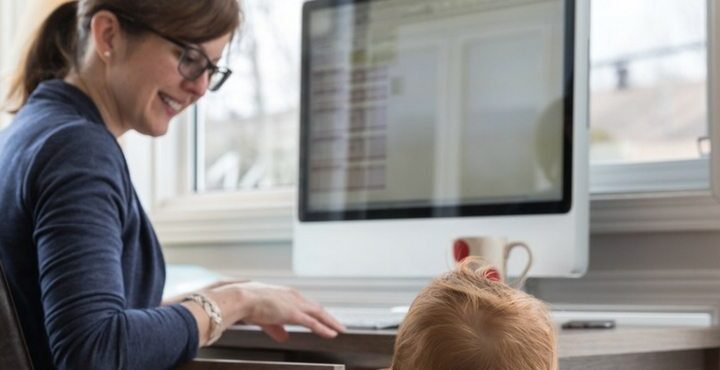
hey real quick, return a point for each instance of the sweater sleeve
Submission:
(79, 199)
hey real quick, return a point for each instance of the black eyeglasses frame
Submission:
(214, 70)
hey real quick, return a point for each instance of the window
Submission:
(648, 80)
(649, 121)
(649, 104)
(7, 34)
(18, 19)
(648, 99)
(250, 126)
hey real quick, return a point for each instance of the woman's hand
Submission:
(271, 307)
(268, 306)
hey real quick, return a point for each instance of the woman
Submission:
(82, 259)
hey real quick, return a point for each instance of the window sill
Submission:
(267, 217)
(226, 218)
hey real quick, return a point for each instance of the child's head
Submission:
(466, 319)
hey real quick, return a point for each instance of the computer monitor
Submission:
(427, 120)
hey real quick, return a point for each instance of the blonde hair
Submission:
(466, 320)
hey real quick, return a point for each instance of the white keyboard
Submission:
(368, 318)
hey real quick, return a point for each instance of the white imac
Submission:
(427, 120)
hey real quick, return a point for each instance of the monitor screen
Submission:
(436, 108)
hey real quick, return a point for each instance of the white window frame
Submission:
(9, 11)
(182, 217)
(15, 29)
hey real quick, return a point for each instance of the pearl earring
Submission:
(107, 54)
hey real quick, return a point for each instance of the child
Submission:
(470, 319)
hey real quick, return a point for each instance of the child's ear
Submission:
(491, 274)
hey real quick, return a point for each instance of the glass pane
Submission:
(648, 80)
(251, 124)
(648, 91)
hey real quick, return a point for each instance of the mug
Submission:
(493, 250)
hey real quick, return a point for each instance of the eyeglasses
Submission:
(193, 62)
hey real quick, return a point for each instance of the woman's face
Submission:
(147, 87)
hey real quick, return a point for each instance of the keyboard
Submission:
(368, 318)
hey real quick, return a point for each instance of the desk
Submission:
(658, 348)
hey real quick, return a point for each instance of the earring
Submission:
(107, 54)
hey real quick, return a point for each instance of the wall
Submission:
(669, 269)
(665, 251)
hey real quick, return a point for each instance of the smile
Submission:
(172, 103)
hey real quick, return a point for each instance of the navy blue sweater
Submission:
(82, 259)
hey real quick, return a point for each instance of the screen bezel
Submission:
(560, 206)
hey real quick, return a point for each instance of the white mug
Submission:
(493, 250)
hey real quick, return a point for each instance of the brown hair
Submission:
(465, 320)
(62, 38)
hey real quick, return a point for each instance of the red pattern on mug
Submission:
(461, 250)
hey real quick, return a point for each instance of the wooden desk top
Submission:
(572, 343)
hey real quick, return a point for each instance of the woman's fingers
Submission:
(330, 321)
(318, 312)
(316, 326)
(277, 306)
(276, 332)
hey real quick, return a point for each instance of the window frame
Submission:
(9, 11)
(619, 203)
